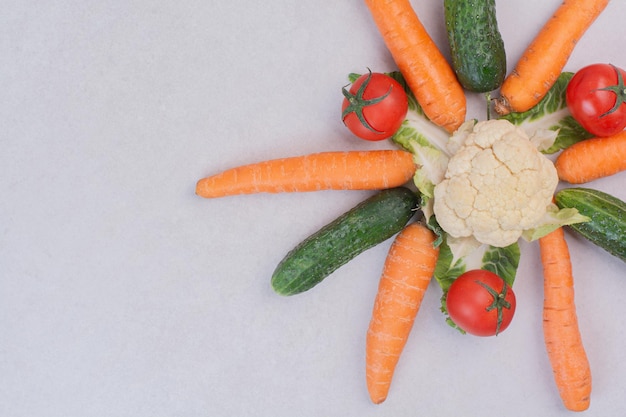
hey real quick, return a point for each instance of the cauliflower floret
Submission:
(496, 185)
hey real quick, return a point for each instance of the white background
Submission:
(122, 293)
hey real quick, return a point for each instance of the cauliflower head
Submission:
(497, 184)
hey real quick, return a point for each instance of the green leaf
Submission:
(434, 226)
(502, 262)
(551, 115)
(447, 268)
(431, 160)
(553, 219)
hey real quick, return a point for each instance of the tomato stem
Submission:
(619, 89)
(499, 301)
(358, 103)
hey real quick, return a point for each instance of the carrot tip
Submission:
(201, 189)
(378, 400)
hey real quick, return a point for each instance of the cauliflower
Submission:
(496, 186)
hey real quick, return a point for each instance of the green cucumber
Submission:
(364, 226)
(476, 46)
(607, 227)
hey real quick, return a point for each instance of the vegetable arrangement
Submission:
(477, 186)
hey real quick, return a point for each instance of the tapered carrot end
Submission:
(576, 393)
(202, 188)
(216, 186)
(579, 405)
(378, 399)
(377, 391)
(378, 377)
(220, 185)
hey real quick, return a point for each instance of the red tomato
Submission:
(480, 303)
(374, 107)
(595, 96)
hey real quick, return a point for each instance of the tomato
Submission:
(595, 96)
(374, 107)
(480, 303)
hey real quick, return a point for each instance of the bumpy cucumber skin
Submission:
(364, 226)
(607, 228)
(476, 46)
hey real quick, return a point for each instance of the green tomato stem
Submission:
(619, 89)
(499, 301)
(358, 103)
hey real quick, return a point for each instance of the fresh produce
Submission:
(428, 144)
(570, 366)
(351, 170)
(607, 217)
(476, 46)
(549, 124)
(420, 61)
(481, 184)
(466, 257)
(595, 96)
(497, 184)
(543, 60)
(374, 107)
(592, 159)
(406, 274)
(481, 303)
(369, 223)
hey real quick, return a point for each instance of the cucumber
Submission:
(607, 227)
(367, 224)
(476, 46)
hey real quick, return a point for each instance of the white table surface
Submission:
(122, 293)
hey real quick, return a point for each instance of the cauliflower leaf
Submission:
(431, 159)
(553, 219)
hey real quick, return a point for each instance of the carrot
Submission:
(562, 338)
(544, 59)
(351, 170)
(593, 158)
(406, 274)
(426, 71)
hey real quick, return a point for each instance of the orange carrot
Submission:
(544, 59)
(426, 71)
(593, 158)
(407, 272)
(564, 345)
(351, 170)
